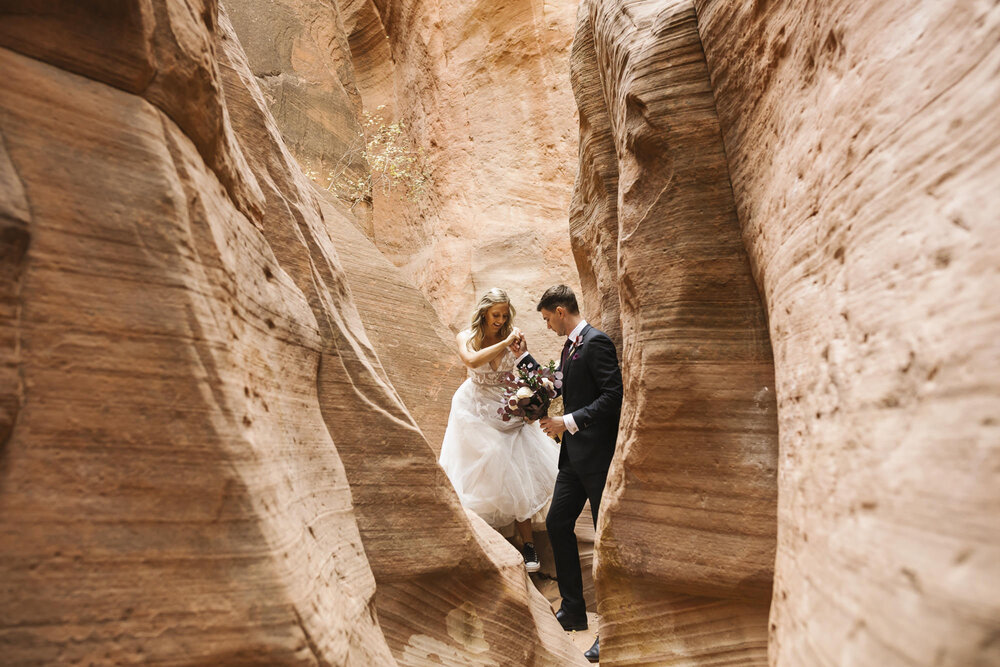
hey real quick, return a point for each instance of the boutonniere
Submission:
(576, 346)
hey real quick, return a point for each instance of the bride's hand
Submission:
(519, 344)
(514, 336)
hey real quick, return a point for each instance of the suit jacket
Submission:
(592, 393)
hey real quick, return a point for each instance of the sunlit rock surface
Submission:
(687, 529)
(864, 150)
(860, 145)
(483, 89)
(204, 459)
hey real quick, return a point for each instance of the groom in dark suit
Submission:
(592, 402)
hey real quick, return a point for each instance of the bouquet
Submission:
(529, 392)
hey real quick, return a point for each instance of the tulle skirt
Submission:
(502, 471)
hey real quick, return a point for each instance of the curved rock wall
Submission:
(299, 54)
(864, 149)
(484, 90)
(302, 60)
(861, 144)
(416, 350)
(203, 458)
(170, 491)
(687, 527)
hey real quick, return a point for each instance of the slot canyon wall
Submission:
(299, 54)
(220, 391)
(852, 151)
(863, 145)
(687, 528)
(204, 458)
(476, 85)
(483, 90)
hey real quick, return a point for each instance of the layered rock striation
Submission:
(687, 527)
(416, 350)
(483, 89)
(204, 459)
(850, 151)
(863, 147)
(301, 58)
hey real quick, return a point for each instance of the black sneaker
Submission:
(531, 563)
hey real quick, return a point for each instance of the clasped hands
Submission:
(516, 342)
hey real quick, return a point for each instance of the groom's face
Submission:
(555, 319)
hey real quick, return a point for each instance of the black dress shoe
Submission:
(593, 654)
(570, 621)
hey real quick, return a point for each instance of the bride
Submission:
(503, 471)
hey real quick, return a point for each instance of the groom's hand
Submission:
(553, 426)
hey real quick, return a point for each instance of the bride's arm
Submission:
(476, 358)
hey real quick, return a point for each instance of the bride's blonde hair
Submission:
(491, 298)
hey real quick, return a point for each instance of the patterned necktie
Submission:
(565, 352)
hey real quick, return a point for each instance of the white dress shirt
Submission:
(577, 330)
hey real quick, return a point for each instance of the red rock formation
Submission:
(593, 220)
(204, 459)
(299, 53)
(417, 352)
(864, 150)
(861, 145)
(300, 57)
(686, 533)
(169, 490)
(484, 89)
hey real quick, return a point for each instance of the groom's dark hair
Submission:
(559, 295)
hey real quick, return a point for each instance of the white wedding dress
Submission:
(503, 471)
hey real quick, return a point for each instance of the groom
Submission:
(592, 402)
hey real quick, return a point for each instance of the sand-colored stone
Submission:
(205, 461)
(593, 220)
(862, 145)
(484, 90)
(687, 528)
(170, 491)
(864, 149)
(416, 350)
(300, 55)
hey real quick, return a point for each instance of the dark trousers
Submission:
(571, 493)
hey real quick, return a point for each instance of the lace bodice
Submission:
(485, 375)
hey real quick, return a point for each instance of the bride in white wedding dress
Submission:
(503, 471)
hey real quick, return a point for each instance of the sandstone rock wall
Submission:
(302, 60)
(484, 90)
(299, 54)
(203, 457)
(861, 144)
(416, 350)
(864, 150)
(170, 491)
(687, 526)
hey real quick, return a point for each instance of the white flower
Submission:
(524, 392)
(547, 383)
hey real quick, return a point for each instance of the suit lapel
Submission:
(575, 350)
